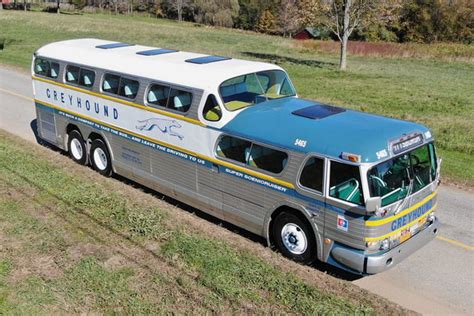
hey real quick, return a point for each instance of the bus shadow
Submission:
(277, 59)
(320, 266)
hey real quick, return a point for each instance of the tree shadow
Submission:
(277, 59)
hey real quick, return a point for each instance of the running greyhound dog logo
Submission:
(165, 126)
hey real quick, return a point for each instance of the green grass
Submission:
(78, 244)
(426, 90)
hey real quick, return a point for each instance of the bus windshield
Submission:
(400, 176)
(250, 89)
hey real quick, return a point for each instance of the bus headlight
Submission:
(431, 218)
(385, 244)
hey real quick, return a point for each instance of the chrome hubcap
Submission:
(100, 159)
(76, 149)
(294, 239)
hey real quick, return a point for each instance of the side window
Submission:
(180, 100)
(72, 74)
(312, 174)
(128, 88)
(266, 158)
(233, 148)
(212, 111)
(158, 95)
(86, 78)
(345, 183)
(46, 68)
(111, 83)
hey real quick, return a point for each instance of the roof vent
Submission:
(158, 51)
(113, 45)
(318, 111)
(207, 59)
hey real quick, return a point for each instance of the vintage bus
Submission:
(232, 138)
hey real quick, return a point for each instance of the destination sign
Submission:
(406, 144)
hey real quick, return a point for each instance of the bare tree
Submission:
(178, 6)
(342, 17)
(288, 20)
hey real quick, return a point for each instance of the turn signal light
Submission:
(350, 157)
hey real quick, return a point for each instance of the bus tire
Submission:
(77, 147)
(100, 158)
(294, 238)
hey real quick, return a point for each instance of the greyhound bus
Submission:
(232, 138)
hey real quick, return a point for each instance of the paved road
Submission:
(436, 280)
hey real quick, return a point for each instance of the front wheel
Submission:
(100, 158)
(294, 238)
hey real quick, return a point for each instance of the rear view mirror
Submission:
(373, 204)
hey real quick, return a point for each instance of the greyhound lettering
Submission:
(165, 126)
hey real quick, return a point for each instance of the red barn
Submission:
(306, 33)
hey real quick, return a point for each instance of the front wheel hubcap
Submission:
(76, 149)
(294, 239)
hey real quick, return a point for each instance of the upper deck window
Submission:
(345, 183)
(171, 98)
(254, 155)
(46, 68)
(246, 90)
(80, 76)
(212, 111)
(121, 86)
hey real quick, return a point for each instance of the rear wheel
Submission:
(100, 157)
(294, 238)
(77, 147)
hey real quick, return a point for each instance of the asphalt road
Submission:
(436, 280)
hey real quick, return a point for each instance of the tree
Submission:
(178, 6)
(216, 12)
(266, 23)
(288, 20)
(342, 17)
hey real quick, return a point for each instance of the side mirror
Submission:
(373, 204)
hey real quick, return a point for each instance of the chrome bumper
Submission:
(372, 264)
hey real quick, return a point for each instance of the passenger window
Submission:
(180, 100)
(345, 183)
(233, 148)
(111, 83)
(46, 68)
(266, 158)
(72, 74)
(87, 78)
(212, 111)
(158, 95)
(312, 174)
(128, 88)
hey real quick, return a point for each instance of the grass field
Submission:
(432, 90)
(73, 242)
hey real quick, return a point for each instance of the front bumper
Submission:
(372, 264)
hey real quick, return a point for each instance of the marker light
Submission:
(384, 245)
(350, 157)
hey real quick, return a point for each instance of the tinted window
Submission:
(180, 100)
(158, 95)
(212, 111)
(312, 174)
(233, 148)
(128, 88)
(72, 74)
(111, 83)
(345, 183)
(267, 159)
(86, 78)
(46, 68)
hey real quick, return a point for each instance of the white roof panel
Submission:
(171, 67)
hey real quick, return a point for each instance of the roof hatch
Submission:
(207, 59)
(113, 45)
(157, 51)
(318, 111)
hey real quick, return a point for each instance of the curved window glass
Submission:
(250, 89)
(46, 68)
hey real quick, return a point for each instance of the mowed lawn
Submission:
(434, 92)
(75, 242)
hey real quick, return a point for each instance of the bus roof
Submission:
(177, 67)
(275, 122)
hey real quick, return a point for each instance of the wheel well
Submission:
(277, 212)
(93, 136)
(72, 127)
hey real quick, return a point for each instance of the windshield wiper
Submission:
(407, 196)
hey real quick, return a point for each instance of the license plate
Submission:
(405, 235)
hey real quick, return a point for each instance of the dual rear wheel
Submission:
(99, 155)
